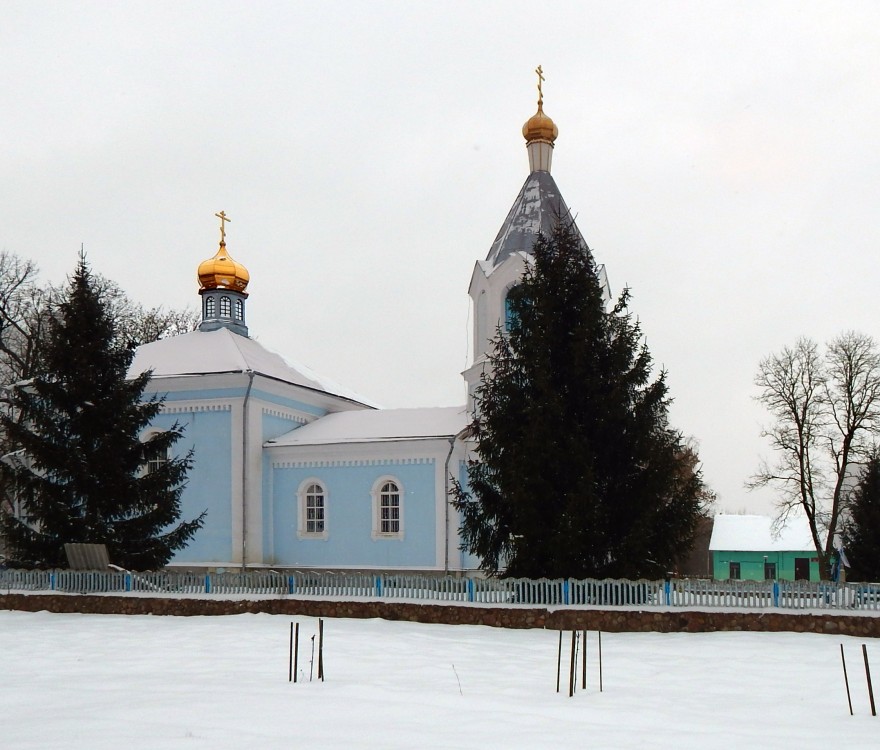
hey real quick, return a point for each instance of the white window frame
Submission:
(302, 495)
(376, 495)
(152, 464)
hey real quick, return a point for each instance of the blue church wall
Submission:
(349, 516)
(273, 426)
(208, 482)
(467, 560)
(274, 398)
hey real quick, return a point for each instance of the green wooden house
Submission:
(750, 549)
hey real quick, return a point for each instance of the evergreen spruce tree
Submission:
(79, 471)
(862, 532)
(577, 470)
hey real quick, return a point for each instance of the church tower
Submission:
(536, 210)
(222, 284)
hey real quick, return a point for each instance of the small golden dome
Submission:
(539, 127)
(223, 272)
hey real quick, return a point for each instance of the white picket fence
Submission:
(491, 591)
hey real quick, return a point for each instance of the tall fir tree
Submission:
(861, 535)
(80, 470)
(577, 472)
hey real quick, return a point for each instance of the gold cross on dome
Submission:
(223, 219)
(540, 73)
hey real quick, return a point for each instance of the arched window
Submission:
(312, 511)
(239, 309)
(511, 317)
(387, 508)
(155, 457)
(225, 307)
(210, 307)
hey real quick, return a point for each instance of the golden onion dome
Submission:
(223, 272)
(539, 127)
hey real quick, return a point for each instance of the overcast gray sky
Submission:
(722, 159)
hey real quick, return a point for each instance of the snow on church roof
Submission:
(222, 351)
(755, 534)
(536, 209)
(379, 425)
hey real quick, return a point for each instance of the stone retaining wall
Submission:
(610, 621)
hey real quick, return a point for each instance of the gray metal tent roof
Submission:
(536, 209)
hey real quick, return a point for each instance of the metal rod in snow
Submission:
(295, 652)
(572, 667)
(600, 661)
(559, 661)
(584, 662)
(868, 677)
(312, 662)
(321, 649)
(290, 656)
(846, 680)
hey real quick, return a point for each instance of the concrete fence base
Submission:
(611, 621)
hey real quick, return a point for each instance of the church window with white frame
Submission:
(387, 509)
(154, 458)
(239, 310)
(225, 307)
(210, 307)
(312, 511)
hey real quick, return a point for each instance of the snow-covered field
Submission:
(125, 683)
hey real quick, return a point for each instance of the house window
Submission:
(239, 310)
(387, 509)
(769, 571)
(734, 571)
(210, 307)
(312, 511)
(225, 307)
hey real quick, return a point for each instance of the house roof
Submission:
(222, 351)
(536, 210)
(378, 426)
(756, 534)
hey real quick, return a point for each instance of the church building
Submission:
(297, 472)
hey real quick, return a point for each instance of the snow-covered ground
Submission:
(125, 683)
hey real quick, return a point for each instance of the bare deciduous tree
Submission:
(826, 410)
(24, 312)
(26, 306)
(137, 324)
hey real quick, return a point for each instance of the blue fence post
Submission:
(207, 583)
(470, 589)
(127, 581)
(775, 593)
(565, 592)
(379, 586)
(667, 592)
(52, 580)
(291, 585)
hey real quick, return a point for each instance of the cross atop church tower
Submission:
(540, 73)
(224, 218)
